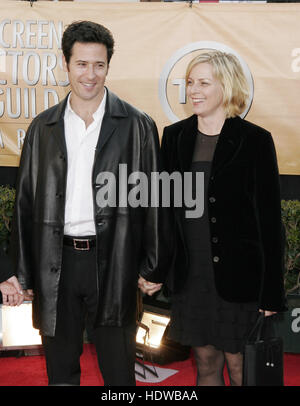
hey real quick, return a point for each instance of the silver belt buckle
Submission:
(75, 241)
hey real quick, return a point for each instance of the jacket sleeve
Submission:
(272, 295)
(6, 268)
(156, 249)
(168, 212)
(22, 224)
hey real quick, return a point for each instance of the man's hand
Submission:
(12, 293)
(148, 287)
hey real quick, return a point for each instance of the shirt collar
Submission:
(99, 113)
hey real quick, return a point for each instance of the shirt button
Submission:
(215, 239)
(212, 199)
(216, 259)
(213, 220)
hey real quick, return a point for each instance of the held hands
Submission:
(28, 295)
(267, 313)
(148, 287)
(12, 293)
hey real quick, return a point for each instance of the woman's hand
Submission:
(267, 313)
(28, 295)
(148, 287)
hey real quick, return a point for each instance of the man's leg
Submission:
(116, 354)
(78, 278)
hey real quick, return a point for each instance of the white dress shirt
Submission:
(81, 143)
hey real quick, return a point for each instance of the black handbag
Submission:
(263, 356)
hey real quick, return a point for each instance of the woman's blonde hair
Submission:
(228, 70)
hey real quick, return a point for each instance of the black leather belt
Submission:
(80, 244)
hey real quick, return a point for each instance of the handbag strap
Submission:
(257, 326)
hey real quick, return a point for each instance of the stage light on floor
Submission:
(152, 342)
(16, 331)
(157, 325)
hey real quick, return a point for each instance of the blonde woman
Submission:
(227, 264)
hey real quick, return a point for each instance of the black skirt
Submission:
(199, 315)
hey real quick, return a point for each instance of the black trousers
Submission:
(77, 301)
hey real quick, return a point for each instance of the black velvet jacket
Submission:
(246, 231)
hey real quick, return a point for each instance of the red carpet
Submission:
(31, 371)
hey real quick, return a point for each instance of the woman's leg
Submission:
(235, 368)
(210, 365)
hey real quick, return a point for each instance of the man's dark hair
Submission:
(86, 31)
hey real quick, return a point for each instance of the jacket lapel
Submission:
(56, 121)
(228, 145)
(186, 143)
(114, 109)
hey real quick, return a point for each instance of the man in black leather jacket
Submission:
(73, 254)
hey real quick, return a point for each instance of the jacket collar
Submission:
(227, 147)
(115, 108)
(186, 142)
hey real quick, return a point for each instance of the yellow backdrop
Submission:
(154, 42)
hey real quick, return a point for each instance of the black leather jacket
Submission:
(127, 238)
